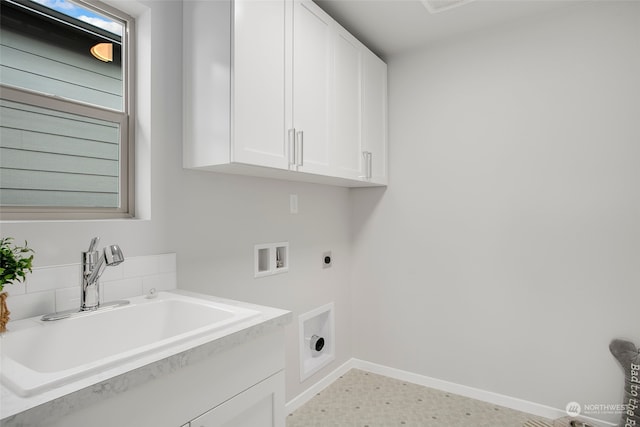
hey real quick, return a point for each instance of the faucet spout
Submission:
(94, 264)
(112, 256)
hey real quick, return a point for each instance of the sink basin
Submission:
(44, 355)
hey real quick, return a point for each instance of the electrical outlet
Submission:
(326, 259)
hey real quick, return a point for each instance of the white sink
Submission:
(49, 354)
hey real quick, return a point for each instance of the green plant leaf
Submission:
(15, 261)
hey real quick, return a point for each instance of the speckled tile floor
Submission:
(363, 399)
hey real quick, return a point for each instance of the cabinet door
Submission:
(258, 98)
(374, 130)
(206, 82)
(346, 138)
(311, 86)
(260, 406)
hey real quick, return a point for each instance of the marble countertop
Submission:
(117, 379)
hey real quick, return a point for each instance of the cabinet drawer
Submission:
(260, 406)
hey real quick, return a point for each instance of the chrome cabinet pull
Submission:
(364, 165)
(292, 146)
(367, 164)
(300, 148)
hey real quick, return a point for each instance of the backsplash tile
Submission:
(55, 277)
(16, 288)
(57, 288)
(30, 304)
(154, 264)
(121, 289)
(159, 282)
(113, 273)
(67, 298)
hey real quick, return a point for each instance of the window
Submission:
(66, 107)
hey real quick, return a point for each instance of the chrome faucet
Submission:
(93, 265)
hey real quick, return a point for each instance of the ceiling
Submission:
(389, 27)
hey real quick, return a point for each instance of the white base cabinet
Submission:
(278, 88)
(260, 406)
(242, 385)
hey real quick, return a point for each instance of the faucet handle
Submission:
(94, 244)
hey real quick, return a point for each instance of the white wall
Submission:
(212, 221)
(504, 254)
(225, 216)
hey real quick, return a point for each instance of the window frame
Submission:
(125, 119)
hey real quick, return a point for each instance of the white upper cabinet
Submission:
(206, 83)
(280, 85)
(234, 101)
(311, 79)
(258, 101)
(347, 111)
(359, 138)
(374, 119)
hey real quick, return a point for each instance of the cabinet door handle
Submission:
(300, 148)
(369, 164)
(292, 146)
(366, 155)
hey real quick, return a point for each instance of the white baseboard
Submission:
(308, 394)
(462, 390)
